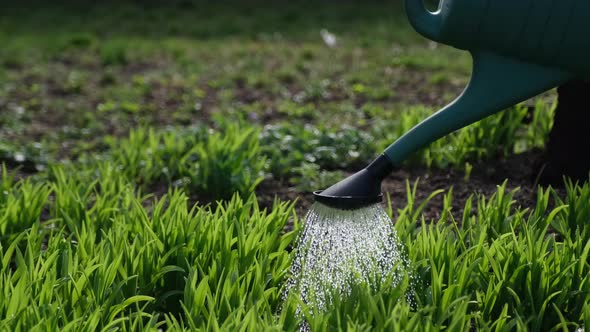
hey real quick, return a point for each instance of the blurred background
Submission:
(75, 71)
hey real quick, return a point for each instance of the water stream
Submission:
(339, 248)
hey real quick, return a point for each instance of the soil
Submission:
(519, 170)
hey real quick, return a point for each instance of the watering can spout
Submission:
(424, 21)
(358, 190)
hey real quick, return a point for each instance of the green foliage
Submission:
(21, 204)
(504, 261)
(496, 268)
(289, 146)
(82, 248)
(576, 211)
(536, 133)
(147, 156)
(86, 251)
(212, 164)
(106, 261)
(311, 177)
(160, 72)
(114, 53)
(225, 163)
(496, 136)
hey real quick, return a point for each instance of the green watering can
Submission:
(520, 49)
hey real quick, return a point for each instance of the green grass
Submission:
(514, 130)
(213, 164)
(84, 254)
(101, 259)
(130, 112)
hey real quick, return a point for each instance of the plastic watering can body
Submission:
(520, 48)
(547, 32)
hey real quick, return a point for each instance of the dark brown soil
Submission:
(519, 170)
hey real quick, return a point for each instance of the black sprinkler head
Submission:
(358, 190)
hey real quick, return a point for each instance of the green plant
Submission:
(213, 164)
(513, 273)
(105, 256)
(107, 261)
(114, 53)
(225, 163)
(496, 136)
(21, 204)
(537, 131)
(289, 146)
(310, 177)
(572, 223)
(83, 247)
(147, 156)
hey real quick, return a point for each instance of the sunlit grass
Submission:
(108, 257)
(514, 130)
(112, 239)
(86, 254)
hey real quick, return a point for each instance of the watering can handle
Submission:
(427, 23)
(496, 83)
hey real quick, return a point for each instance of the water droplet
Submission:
(340, 248)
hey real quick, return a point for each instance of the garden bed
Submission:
(159, 161)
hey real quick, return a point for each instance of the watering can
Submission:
(520, 48)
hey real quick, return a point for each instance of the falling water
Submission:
(340, 248)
